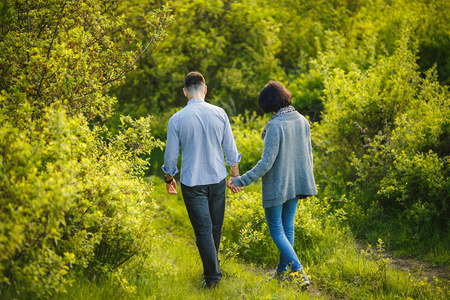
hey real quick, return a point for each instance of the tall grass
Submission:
(327, 248)
(172, 269)
(338, 267)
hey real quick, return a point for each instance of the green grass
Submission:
(172, 269)
(428, 244)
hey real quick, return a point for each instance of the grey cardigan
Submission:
(286, 164)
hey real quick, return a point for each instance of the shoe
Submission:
(279, 275)
(209, 285)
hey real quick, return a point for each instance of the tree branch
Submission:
(42, 28)
(28, 29)
(131, 66)
(38, 93)
(40, 86)
(125, 70)
(56, 31)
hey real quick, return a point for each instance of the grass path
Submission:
(172, 269)
(424, 268)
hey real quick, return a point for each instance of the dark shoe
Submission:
(209, 285)
(278, 275)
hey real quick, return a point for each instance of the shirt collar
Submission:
(195, 100)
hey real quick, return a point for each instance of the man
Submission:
(202, 130)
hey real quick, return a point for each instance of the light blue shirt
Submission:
(203, 133)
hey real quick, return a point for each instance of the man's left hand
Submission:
(172, 187)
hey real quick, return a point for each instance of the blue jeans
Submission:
(205, 205)
(280, 220)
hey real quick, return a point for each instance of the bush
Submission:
(38, 183)
(384, 140)
(247, 130)
(318, 231)
(70, 199)
(71, 193)
(245, 231)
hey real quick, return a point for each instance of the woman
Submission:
(286, 168)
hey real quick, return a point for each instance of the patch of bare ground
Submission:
(419, 267)
(414, 266)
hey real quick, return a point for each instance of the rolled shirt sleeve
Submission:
(172, 150)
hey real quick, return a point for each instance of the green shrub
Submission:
(318, 231)
(247, 130)
(245, 231)
(38, 183)
(383, 141)
(72, 195)
(70, 199)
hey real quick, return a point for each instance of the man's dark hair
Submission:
(193, 81)
(274, 96)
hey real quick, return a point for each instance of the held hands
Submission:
(172, 187)
(233, 188)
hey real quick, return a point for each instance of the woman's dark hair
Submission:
(193, 81)
(274, 96)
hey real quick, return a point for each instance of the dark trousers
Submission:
(205, 205)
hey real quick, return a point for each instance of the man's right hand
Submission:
(233, 188)
(172, 187)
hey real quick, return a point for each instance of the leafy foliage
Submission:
(327, 250)
(232, 43)
(317, 230)
(69, 198)
(247, 130)
(71, 193)
(384, 141)
(240, 45)
(72, 197)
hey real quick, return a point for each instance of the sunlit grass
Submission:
(171, 269)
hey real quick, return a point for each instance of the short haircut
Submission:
(194, 82)
(274, 96)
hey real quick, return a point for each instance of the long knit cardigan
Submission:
(286, 164)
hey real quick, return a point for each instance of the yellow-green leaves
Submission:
(71, 193)
(384, 141)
